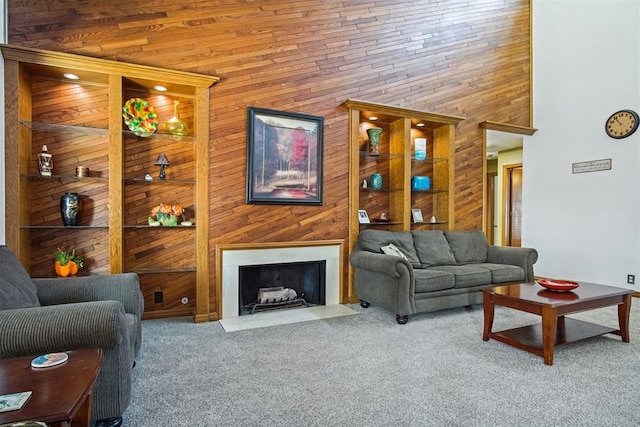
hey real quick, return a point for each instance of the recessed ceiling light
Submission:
(420, 125)
(160, 88)
(373, 118)
(71, 76)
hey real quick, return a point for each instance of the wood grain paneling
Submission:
(462, 58)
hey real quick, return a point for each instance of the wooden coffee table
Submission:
(555, 329)
(61, 394)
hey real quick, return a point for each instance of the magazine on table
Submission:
(13, 401)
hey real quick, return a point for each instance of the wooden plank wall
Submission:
(470, 59)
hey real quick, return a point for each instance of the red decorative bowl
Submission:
(557, 284)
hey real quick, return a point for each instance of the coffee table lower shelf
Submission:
(569, 330)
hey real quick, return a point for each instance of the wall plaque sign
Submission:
(591, 166)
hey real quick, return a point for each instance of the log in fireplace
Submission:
(292, 284)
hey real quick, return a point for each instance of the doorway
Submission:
(490, 224)
(512, 176)
(503, 146)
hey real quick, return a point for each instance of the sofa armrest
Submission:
(388, 265)
(522, 257)
(124, 288)
(39, 330)
(384, 280)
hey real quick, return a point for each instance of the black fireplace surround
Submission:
(306, 278)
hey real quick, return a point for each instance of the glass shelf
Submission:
(101, 132)
(430, 191)
(429, 160)
(384, 189)
(160, 227)
(66, 177)
(158, 181)
(381, 156)
(161, 137)
(66, 129)
(62, 227)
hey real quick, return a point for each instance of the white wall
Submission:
(586, 65)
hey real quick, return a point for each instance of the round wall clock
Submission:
(622, 123)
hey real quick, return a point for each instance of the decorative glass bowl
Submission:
(140, 117)
(557, 284)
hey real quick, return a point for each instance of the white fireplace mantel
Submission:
(232, 256)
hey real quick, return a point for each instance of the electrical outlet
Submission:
(158, 297)
(631, 279)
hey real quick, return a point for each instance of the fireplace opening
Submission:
(282, 285)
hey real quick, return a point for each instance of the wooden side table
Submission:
(62, 394)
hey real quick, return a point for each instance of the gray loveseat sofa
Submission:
(39, 316)
(439, 269)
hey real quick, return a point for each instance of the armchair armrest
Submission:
(522, 257)
(39, 330)
(115, 287)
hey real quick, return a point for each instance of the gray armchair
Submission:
(40, 316)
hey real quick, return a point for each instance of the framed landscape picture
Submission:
(284, 157)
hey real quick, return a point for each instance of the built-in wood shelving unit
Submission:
(81, 123)
(397, 164)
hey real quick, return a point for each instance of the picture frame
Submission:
(284, 157)
(363, 217)
(416, 215)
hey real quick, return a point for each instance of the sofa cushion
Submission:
(432, 280)
(466, 275)
(503, 273)
(16, 288)
(432, 248)
(373, 240)
(468, 246)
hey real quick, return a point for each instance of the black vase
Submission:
(70, 209)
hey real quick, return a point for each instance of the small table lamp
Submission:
(163, 162)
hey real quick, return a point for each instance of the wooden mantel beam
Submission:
(505, 127)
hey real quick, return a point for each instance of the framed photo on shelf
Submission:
(363, 218)
(284, 157)
(416, 215)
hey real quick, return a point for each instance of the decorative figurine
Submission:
(163, 162)
(45, 162)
